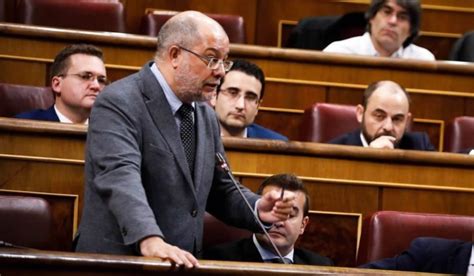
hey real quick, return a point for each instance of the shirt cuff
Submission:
(267, 226)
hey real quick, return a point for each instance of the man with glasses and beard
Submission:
(77, 77)
(151, 151)
(384, 116)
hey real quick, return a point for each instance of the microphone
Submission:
(223, 165)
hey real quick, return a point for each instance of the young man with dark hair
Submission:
(238, 98)
(77, 77)
(283, 234)
(392, 26)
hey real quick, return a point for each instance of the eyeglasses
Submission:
(234, 94)
(88, 76)
(212, 62)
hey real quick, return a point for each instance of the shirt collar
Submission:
(267, 254)
(371, 49)
(470, 268)
(174, 102)
(64, 119)
(364, 142)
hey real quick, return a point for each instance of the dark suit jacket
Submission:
(138, 183)
(409, 141)
(245, 251)
(40, 114)
(430, 255)
(257, 131)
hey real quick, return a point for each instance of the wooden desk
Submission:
(295, 79)
(339, 178)
(24, 262)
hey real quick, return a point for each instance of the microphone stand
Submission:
(223, 165)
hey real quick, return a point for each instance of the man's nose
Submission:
(240, 102)
(388, 124)
(219, 72)
(392, 18)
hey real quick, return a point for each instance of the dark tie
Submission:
(187, 133)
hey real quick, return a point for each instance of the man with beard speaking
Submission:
(384, 115)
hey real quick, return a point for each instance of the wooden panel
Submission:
(23, 72)
(245, 8)
(286, 123)
(282, 93)
(64, 210)
(339, 178)
(427, 201)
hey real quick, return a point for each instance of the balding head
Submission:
(186, 44)
(385, 111)
(187, 29)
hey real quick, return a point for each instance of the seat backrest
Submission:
(463, 48)
(388, 233)
(459, 134)
(233, 25)
(15, 99)
(216, 232)
(85, 15)
(26, 221)
(317, 32)
(325, 121)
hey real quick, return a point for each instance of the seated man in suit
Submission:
(434, 255)
(77, 77)
(392, 26)
(237, 101)
(283, 234)
(384, 116)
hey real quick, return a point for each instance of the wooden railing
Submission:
(339, 178)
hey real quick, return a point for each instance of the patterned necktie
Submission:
(187, 133)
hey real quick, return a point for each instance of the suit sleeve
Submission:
(409, 260)
(225, 201)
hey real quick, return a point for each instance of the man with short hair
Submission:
(237, 101)
(384, 116)
(392, 26)
(151, 151)
(77, 77)
(284, 234)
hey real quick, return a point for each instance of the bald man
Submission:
(384, 115)
(151, 146)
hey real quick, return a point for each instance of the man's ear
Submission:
(304, 222)
(174, 54)
(359, 113)
(56, 83)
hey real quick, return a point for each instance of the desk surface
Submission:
(29, 262)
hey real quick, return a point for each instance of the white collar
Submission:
(364, 142)
(64, 119)
(373, 52)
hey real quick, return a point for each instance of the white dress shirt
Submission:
(362, 45)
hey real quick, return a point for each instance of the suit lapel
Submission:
(251, 253)
(160, 111)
